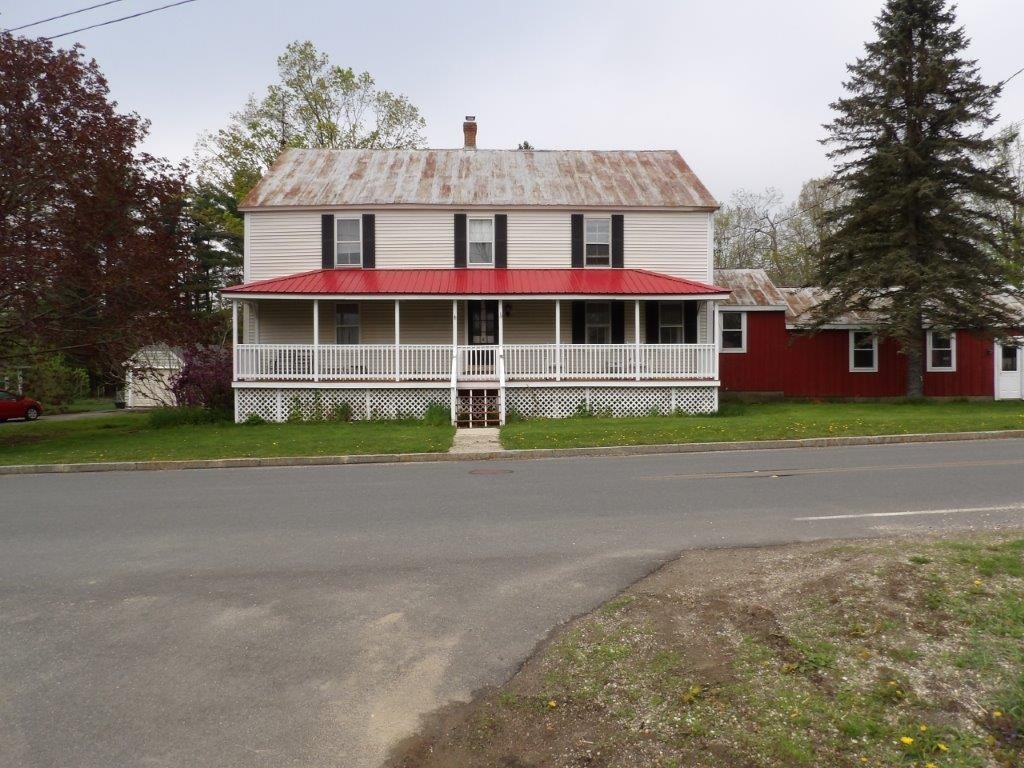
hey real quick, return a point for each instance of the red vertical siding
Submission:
(818, 365)
(975, 372)
(761, 367)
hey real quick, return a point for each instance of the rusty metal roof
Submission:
(321, 178)
(800, 302)
(750, 288)
(477, 282)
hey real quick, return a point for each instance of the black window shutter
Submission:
(369, 241)
(500, 240)
(327, 241)
(618, 322)
(690, 309)
(579, 322)
(652, 332)
(460, 240)
(577, 240)
(618, 230)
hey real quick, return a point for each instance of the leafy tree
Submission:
(314, 104)
(525, 146)
(93, 242)
(916, 239)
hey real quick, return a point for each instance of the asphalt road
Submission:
(308, 616)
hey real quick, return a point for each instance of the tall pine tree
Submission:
(914, 238)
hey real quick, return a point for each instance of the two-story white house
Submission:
(540, 282)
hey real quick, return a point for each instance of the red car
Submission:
(14, 406)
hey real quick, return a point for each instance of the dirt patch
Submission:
(905, 652)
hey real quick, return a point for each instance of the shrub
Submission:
(340, 412)
(204, 380)
(254, 420)
(437, 416)
(177, 417)
(55, 383)
(295, 411)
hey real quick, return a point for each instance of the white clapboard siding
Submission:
(281, 243)
(673, 243)
(288, 242)
(411, 239)
(539, 239)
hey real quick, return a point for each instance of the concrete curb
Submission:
(533, 453)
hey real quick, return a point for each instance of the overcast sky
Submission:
(739, 87)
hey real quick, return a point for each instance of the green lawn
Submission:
(768, 421)
(86, 404)
(130, 437)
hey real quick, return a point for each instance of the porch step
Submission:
(476, 440)
(477, 407)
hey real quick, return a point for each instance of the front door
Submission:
(483, 323)
(1010, 371)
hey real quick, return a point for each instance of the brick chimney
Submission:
(469, 132)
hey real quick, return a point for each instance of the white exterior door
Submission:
(1010, 372)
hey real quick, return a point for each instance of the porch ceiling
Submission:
(460, 283)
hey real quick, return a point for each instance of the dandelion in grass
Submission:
(942, 747)
(907, 740)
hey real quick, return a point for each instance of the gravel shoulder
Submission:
(906, 651)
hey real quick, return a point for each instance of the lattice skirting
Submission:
(277, 404)
(560, 402)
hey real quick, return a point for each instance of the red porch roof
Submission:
(477, 282)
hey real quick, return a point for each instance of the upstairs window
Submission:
(670, 323)
(347, 323)
(863, 352)
(941, 351)
(734, 331)
(598, 322)
(348, 250)
(597, 241)
(480, 237)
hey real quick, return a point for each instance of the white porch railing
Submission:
(343, 362)
(442, 362)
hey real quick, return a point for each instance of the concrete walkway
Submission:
(476, 440)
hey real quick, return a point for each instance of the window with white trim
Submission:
(480, 242)
(347, 323)
(863, 352)
(598, 322)
(941, 351)
(670, 322)
(597, 241)
(348, 241)
(733, 331)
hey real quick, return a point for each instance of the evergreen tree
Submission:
(916, 238)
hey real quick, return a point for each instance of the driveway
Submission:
(309, 616)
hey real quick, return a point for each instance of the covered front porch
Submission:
(466, 340)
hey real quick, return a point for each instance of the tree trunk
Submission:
(915, 369)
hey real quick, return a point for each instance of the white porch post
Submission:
(234, 340)
(501, 322)
(398, 358)
(316, 339)
(636, 336)
(558, 339)
(455, 359)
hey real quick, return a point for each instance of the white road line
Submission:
(1010, 508)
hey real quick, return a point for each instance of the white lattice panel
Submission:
(561, 402)
(278, 404)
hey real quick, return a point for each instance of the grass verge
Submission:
(899, 653)
(132, 437)
(767, 421)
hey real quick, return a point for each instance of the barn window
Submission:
(1008, 359)
(347, 323)
(941, 351)
(348, 251)
(670, 323)
(598, 322)
(598, 241)
(863, 352)
(481, 242)
(734, 331)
